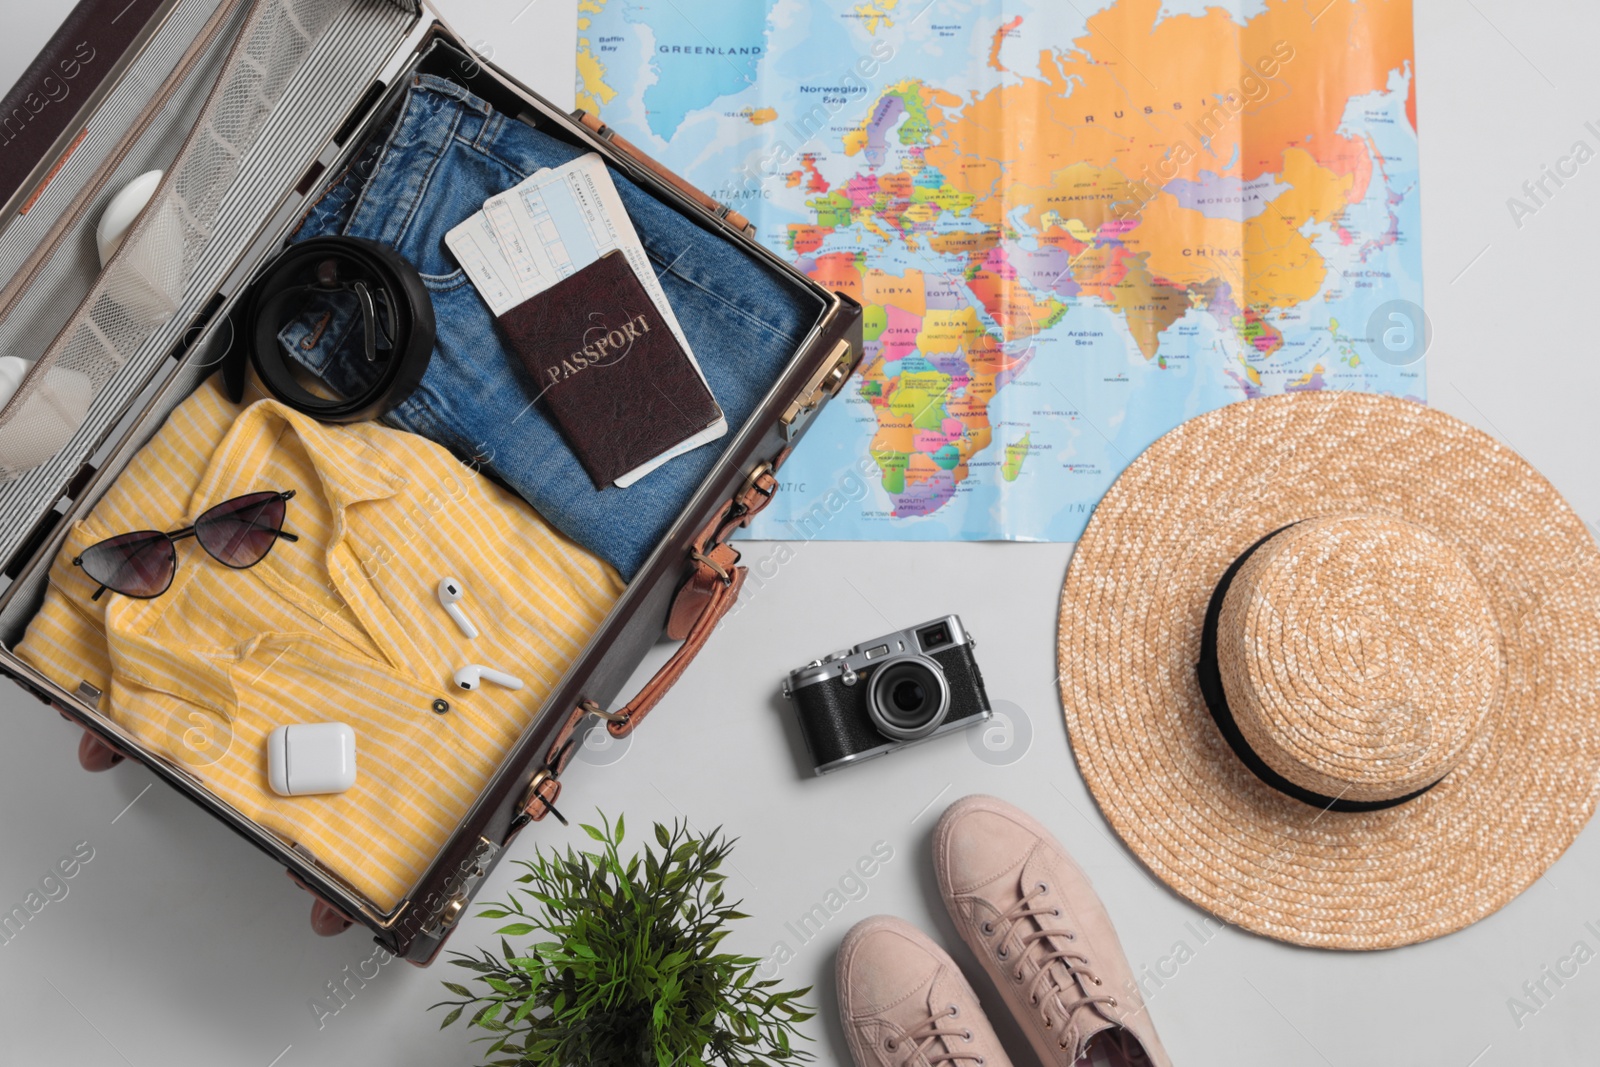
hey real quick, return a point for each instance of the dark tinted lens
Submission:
(239, 532)
(908, 696)
(138, 564)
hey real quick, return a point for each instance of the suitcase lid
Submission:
(232, 99)
(46, 109)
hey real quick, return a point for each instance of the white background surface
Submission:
(179, 944)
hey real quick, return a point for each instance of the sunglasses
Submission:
(237, 533)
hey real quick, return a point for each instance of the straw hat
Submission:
(1331, 667)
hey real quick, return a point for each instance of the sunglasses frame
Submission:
(175, 536)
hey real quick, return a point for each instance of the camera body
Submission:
(888, 693)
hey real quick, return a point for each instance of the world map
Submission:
(1072, 227)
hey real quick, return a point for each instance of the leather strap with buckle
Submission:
(707, 593)
(394, 305)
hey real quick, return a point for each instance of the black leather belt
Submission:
(397, 325)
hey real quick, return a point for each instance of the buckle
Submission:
(596, 710)
(738, 510)
(535, 792)
(753, 482)
(720, 571)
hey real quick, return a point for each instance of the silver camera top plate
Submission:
(926, 638)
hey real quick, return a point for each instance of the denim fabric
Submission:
(446, 153)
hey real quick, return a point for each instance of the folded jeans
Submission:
(443, 156)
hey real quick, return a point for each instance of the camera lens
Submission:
(908, 698)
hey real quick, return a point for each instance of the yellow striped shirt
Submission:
(342, 626)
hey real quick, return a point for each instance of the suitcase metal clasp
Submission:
(825, 383)
(461, 887)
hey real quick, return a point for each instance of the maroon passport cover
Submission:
(615, 379)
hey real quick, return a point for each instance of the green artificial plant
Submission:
(631, 974)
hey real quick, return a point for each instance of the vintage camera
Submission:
(888, 693)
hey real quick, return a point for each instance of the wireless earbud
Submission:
(473, 675)
(450, 594)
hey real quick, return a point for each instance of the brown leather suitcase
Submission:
(325, 73)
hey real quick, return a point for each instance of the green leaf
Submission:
(452, 1017)
(629, 969)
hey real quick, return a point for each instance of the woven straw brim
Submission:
(1131, 616)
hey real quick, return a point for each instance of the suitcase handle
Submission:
(701, 602)
(703, 599)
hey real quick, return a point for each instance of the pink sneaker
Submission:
(1030, 915)
(904, 1003)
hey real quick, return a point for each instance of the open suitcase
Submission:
(252, 108)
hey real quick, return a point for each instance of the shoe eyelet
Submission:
(1044, 888)
(1097, 981)
(1049, 1023)
(1056, 912)
(1113, 1002)
(987, 928)
(1018, 974)
(966, 1035)
(980, 1061)
(1034, 1000)
(1002, 952)
(954, 1011)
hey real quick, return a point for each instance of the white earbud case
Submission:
(309, 758)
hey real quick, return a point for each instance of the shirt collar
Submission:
(348, 466)
(349, 469)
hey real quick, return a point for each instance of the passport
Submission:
(608, 369)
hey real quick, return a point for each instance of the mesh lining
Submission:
(118, 135)
(329, 81)
(142, 286)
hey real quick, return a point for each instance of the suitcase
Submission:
(293, 89)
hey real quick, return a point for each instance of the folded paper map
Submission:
(1073, 226)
